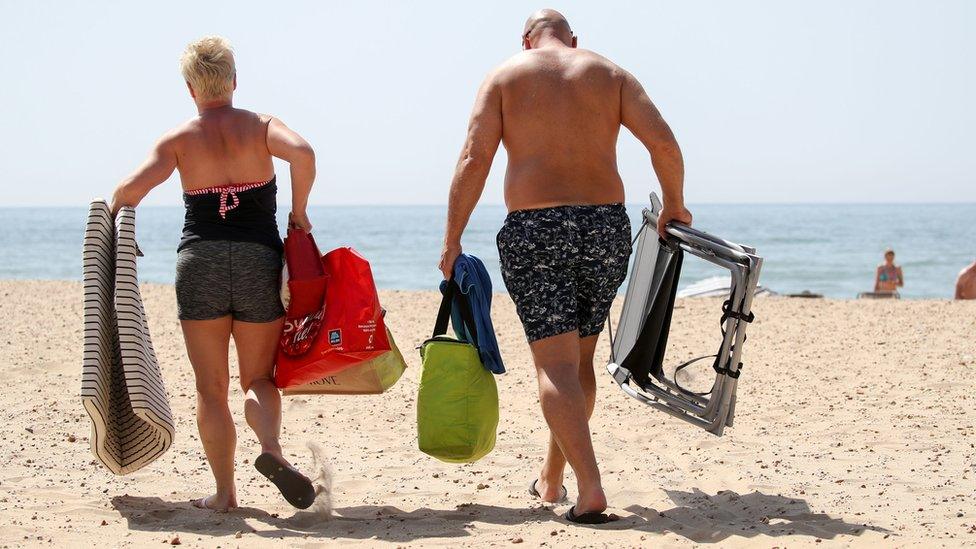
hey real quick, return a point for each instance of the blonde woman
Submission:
(229, 259)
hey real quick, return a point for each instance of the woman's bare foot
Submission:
(215, 503)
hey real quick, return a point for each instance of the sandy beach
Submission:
(855, 426)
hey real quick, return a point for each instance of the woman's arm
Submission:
(877, 279)
(156, 169)
(901, 278)
(287, 145)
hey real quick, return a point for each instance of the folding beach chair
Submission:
(638, 347)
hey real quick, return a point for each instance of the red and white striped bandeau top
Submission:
(228, 190)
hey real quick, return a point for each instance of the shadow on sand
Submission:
(703, 518)
(699, 517)
(363, 522)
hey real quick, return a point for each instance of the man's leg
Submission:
(207, 345)
(550, 480)
(566, 408)
(257, 344)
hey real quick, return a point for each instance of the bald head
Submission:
(547, 22)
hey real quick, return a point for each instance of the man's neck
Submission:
(548, 41)
(214, 104)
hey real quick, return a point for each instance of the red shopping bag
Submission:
(306, 276)
(344, 330)
(371, 377)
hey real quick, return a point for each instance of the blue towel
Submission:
(474, 282)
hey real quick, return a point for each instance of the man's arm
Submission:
(287, 145)
(642, 118)
(480, 145)
(156, 169)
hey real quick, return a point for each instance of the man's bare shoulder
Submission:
(594, 61)
(530, 61)
(511, 66)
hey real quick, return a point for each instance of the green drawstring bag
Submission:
(457, 404)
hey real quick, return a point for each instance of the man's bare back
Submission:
(561, 118)
(558, 111)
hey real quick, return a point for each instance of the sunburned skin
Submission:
(558, 111)
(562, 114)
(222, 146)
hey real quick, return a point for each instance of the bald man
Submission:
(966, 283)
(565, 244)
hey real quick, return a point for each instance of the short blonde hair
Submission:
(208, 66)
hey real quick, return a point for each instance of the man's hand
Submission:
(669, 214)
(299, 220)
(449, 255)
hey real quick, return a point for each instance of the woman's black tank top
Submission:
(242, 213)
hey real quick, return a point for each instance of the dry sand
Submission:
(855, 426)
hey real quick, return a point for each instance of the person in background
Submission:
(966, 283)
(888, 277)
(229, 261)
(565, 245)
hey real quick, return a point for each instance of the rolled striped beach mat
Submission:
(121, 384)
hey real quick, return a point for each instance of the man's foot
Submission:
(214, 503)
(294, 486)
(589, 505)
(590, 517)
(548, 493)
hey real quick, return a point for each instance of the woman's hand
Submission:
(299, 220)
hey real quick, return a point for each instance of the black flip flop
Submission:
(296, 487)
(593, 517)
(534, 492)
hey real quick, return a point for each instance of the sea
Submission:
(829, 249)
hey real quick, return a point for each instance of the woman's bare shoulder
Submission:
(261, 117)
(180, 132)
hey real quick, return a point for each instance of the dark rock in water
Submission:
(805, 293)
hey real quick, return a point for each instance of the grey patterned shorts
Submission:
(216, 278)
(563, 266)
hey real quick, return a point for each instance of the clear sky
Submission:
(830, 101)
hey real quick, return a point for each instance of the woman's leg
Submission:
(207, 346)
(257, 345)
